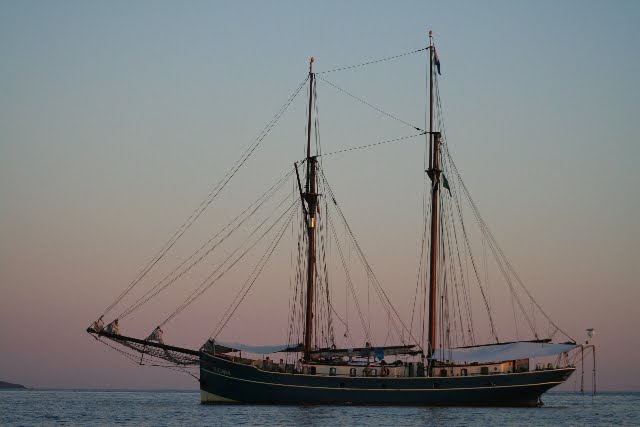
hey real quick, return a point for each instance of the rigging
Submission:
(210, 197)
(448, 291)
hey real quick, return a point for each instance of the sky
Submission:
(117, 119)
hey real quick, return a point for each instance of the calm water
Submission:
(183, 408)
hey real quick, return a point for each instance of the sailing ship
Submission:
(427, 367)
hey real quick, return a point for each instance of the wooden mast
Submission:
(434, 174)
(311, 199)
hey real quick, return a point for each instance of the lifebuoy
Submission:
(385, 371)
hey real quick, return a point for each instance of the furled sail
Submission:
(219, 347)
(501, 352)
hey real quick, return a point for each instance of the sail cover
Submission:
(501, 352)
(379, 352)
(221, 347)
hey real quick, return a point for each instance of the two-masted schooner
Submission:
(423, 368)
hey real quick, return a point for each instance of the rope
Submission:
(371, 105)
(375, 61)
(501, 259)
(426, 204)
(362, 147)
(204, 286)
(500, 255)
(134, 359)
(255, 273)
(349, 281)
(168, 279)
(384, 299)
(210, 197)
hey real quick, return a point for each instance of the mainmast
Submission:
(434, 174)
(311, 198)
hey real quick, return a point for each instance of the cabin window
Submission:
(332, 371)
(443, 372)
(352, 372)
(484, 370)
(522, 365)
(311, 370)
(463, 372)
(373, 373)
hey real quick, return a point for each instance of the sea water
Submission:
(176, 408)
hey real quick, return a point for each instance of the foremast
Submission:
(434, 173)
(311, 198)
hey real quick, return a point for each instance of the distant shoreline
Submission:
(11, 386)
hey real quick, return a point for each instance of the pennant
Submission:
(445, 183)
(436, 60)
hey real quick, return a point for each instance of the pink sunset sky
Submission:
(116, 120)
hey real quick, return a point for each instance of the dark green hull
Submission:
(223, 381)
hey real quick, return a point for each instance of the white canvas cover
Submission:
(380, 352)
(213, 346)
(256, 349)
(502, 352)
